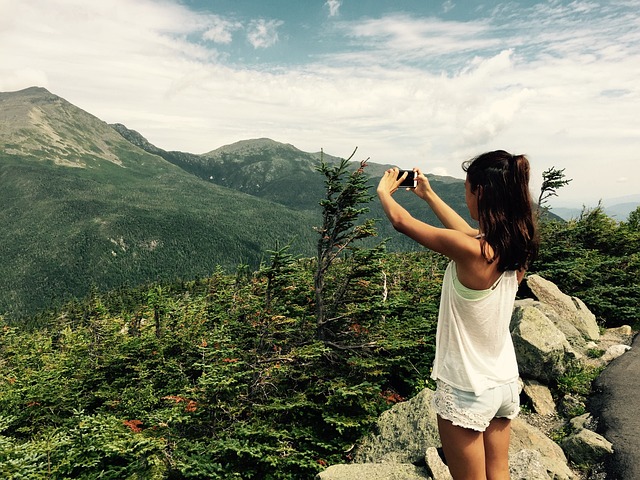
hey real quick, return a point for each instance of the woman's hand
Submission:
(389, 182)
(423, 187)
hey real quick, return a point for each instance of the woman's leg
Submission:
(464, 451)
(496, 447)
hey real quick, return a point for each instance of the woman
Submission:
(475, 366)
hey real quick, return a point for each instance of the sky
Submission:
(413, 83)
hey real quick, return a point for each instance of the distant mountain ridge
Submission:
(91, 205)
(85, 208)
(262, 168)
(618, 208)
(284, 174)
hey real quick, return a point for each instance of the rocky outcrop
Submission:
(404, 433)
(571, 312)
(374, 471)
(553, 334)
(543, 351)
(527, 437)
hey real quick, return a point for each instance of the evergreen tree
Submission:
(341, 210)
(552, 180)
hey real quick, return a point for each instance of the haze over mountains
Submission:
(91, 205)
(618, 208)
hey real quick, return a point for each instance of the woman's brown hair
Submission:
(505, 215)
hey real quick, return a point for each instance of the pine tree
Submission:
(552, 180)
(341, 210)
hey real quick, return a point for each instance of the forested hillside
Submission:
(204, 380)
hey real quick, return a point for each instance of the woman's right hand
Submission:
(423, 187)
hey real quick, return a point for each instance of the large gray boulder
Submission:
(586, 447)
(528, 437)
(527, 465)
(404, 433)
(374, 471)
(542, 350)
(571, 309)
(566, 324)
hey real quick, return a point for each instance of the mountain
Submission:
(618, 208)
(286, 175)
(36, 124)
(83, 207)
(262, 168)
(92, 205)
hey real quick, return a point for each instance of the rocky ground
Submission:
(552, 425)
(615, 403)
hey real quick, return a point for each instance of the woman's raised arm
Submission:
(447, 215)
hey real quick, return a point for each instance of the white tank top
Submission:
(474, 350)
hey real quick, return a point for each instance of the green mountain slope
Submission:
(262, 168)
(285, 175)
(84, 207)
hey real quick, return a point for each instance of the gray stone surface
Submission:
(586, 447)
(528, 437)
(542, 350)
(435, 465)
(374, 471)
(570, 308)
(540, 397)
(616, 403)
(527, 465)
(405, 432)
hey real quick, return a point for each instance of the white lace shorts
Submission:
(465, 409)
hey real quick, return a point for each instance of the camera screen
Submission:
(410, 181)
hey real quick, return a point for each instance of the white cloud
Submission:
(411, 38)
(263, 33)
(448, 5)
(334, 7)
(221, 30)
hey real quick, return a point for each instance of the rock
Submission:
(542, 350)
(622, 331)
(571, 308)
(562, 322)
(373, 471)
(616, 339)
(527, 437)
(586, 447)
(580, 422)
(540, 397)
(435, 465)
(614, 402)
(586, 320)
(613, 352)
(527, 465)
(405, 433)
